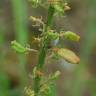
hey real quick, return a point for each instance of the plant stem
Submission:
(43, 49)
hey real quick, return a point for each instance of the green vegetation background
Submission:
(76, 80)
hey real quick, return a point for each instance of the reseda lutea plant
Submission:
(43, 86)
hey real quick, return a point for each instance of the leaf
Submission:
(68, 55)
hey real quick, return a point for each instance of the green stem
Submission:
(43, 50)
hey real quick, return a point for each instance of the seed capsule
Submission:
(68, 55)
(71, 36)
(17, 47)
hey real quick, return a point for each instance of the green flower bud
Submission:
(59, 9)
(52, 35)
(71, 36)
(17, 47)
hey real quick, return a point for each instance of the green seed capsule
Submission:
(68, 55)
(71, 36)
(17, 47)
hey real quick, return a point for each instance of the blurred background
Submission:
(75, 80)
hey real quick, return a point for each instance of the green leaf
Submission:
(68, 55)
